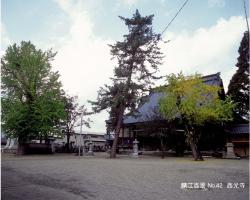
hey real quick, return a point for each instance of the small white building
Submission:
(77, 139)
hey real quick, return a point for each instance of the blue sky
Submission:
(32, 20)
(204, 37)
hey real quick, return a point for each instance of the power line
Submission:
(246, 15)
(174, 16)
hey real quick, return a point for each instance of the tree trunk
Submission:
(121, 113)
(193, 143)
(117, 131)
(67, 144)
(196, 153)
(20, 149)
(162, 148)
(194, 149)
(199, 154)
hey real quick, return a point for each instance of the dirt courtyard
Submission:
(68, 177)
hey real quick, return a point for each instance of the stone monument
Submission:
(11, 146)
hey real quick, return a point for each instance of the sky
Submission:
(204, 38)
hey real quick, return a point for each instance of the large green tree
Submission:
(193, 102)
(32, 106)
(238, 87)
(138, 57)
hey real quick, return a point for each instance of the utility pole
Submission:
(80, 140)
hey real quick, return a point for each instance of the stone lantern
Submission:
(135, 149)
(230, 150)
(90, 152)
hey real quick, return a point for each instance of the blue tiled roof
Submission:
(149, 110)
(239, 129)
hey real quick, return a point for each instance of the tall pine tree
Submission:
(238, 87)
(138, 57)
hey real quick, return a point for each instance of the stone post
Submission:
(52, 147)
(84, 148)
(135, 149)
(230, 150)
(90, 152)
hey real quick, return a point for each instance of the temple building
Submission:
(238, 135)
(154, 133)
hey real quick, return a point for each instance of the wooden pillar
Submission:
(129, 136)
(122, 136)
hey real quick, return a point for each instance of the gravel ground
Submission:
(68, 177)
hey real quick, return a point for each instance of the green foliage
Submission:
(73, 112)
(138, 57)
(110, 98)
(238, 87)
(193, 101)
(31, 93)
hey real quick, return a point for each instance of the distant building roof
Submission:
(213, 79)
(110, 136)
(149, 110)
(89, 133)
(96, 139)
(238, 129)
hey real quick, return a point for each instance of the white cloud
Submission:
(128, 3)
(84, 63)
(83, 59)
(216, 3)
(5, 40)
(206, 50)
